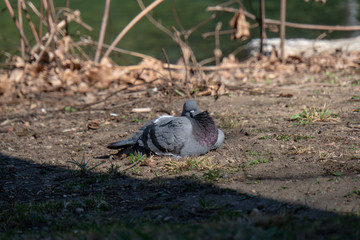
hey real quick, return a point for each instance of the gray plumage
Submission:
(190, 109)
(192, 134)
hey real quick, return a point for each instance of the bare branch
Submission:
(288, 24)
(52, 34)
(131, 53)
(52, 10)
(177, 20)
(153, 21)
(191, 30)
(130, 25)
(102, 31)
(183, 53)
(282, 29)
(167, 60)
(217, 50)
(31, 24)
(262, 25)
(41, 16)
(48, 15)
(12, 14)
(21, 28)
(205, 68)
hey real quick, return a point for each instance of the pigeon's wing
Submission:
(167, 136)
(134, 139)
(220, 139)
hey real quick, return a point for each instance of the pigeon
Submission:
(194, 133)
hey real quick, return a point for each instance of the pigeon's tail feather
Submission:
(121, 144)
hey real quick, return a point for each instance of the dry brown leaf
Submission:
(106, 62)
(63, 48)
(16, 75)
(286, 95)
(274, 56)
(19, 62)
(239, 75)
(55, 81)
(102, 76)
(272, 28)
(240, 25)
(220, 90)
(205, 93)
(149, 162)
(137, 88)
(93, 125)
(6, 86)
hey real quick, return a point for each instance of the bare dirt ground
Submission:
(272, 162)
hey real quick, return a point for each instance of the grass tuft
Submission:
(313, 114)
(113, 170)
(190, 164)
(137, 157)
(283, 137)
(84, 165)
(212, 175)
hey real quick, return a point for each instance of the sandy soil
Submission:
(268, 163)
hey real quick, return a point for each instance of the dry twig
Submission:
(21, 27)
(102, 31)
(131, 53)
(156, 23)
(184, 54)
(168, 62)
(12, 14)
(31, 24)
(282, 29)
(217, 50)
(130, 25)
(287, 24)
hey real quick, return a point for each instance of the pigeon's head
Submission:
(190, 109)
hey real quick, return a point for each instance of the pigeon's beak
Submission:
(192, 113)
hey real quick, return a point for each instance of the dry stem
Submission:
(288, 24)
(21, 27)
(12, 14)
(31, 24)
(177, 20)
(217, 50)
(168, 62)
(131, 53)
(102, 31)
(156, 23)
(34, 9)
(130, 25)
(49, 19)
(185, 58)
(41, 16)
(52, 34)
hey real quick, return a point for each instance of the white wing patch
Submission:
(161, 117)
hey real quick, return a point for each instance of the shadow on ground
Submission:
(42, 200)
